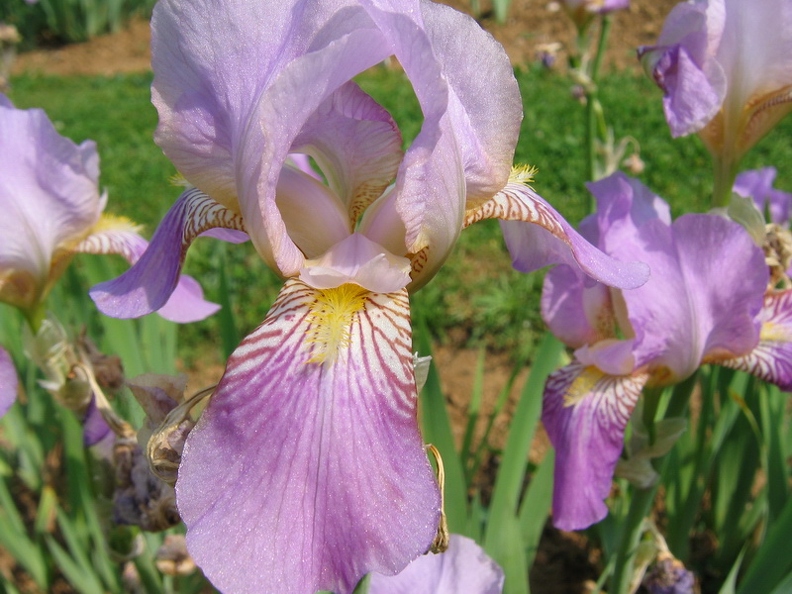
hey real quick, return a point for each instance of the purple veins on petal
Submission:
(538, 236)
(585, 413)
(149, 284)
(307, 469)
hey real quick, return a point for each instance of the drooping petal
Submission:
(471, 113)
(771, 360)
(682, 65)
(538, 236)
(155, 276)
(8, 382)
(585, 413)
(49, 197)
(307, 469)
(464, 567)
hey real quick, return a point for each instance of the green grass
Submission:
(476, 298)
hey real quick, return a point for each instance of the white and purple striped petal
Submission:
(464, 567)
(150, 284)
(538, 236)
(585, 413)
(771, 359)
(8, 382)
(307, 469)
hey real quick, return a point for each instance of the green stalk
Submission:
(593, 106)
(724, 173)
(642, 499)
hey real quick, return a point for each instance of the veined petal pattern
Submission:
(585, 412)
(307, 469)
(771, 360)
(549, 239)
(148, 285)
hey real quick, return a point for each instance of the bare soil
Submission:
(532, 24)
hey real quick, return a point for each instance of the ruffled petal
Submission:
(548, 239)
(307, 469)
(154, 277)
(771, 360)
(682, 315)
(585, 413)
(49, 197)
(471, 106)
(8, 382)
(464, 567)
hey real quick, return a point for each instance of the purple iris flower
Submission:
(307, 469)
(464, 567)
(725, 67)
(707, 301)
(52, 210)
(758, 185)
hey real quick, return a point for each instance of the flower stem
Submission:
(593, 106)
(641, 499)
(724, 174)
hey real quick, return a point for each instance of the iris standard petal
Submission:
(50, 199)
(471, 113)
(149, 284)
(585, 412)
(356, 144)
(8, 382)
(307, 469)
(682, 65)
(538, 236)
(464, 567)
(771, 359)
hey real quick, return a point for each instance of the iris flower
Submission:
(725, 67)
(464, 567)
(52, 210)
(707, 301)
(307, 469)
(758, 185)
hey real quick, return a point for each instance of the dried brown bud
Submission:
(172, 557)
(141, 498)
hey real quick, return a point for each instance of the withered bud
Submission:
(172, 557)
(141, 499)
(108, 369)
(9, 35)
(168, 421)
(53, 353)
(778, 255)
